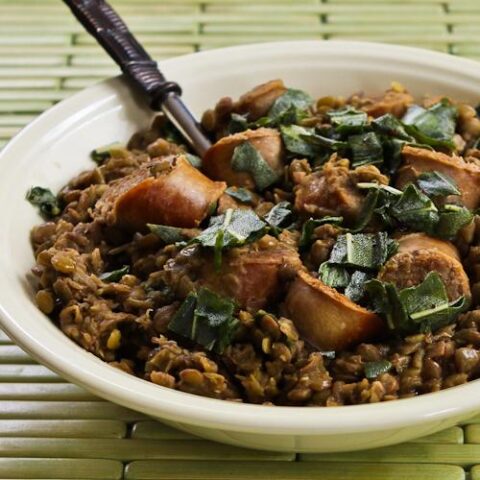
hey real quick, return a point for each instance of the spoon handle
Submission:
(105, 25)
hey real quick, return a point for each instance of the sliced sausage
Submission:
(166, 192)
(333, 190)
(252, 275)
(326, 318)
(420, 160)
(417, 256)
(217, 161)
(393, 102)
(257, 102)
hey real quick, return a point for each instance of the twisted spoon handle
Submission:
(104, 24)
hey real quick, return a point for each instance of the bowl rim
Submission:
(143, 396)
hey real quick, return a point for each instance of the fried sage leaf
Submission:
(279, 217)
(207, 319)
(422, 308)
(348, 119)
(311, 224)
(374, 369)
(246, 158)
(45, 200)
(241, 194)
(232, 229)
(436, 184)
(366, 149)
(167, 233)
(434, 126)
(363, 250)
(115, 275)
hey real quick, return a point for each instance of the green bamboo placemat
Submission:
(52, 429)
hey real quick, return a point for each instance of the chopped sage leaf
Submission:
(363, 250)
(232, 229)
(238, 123)
(348, 119)
(246, 158)
(334, 276)
(279, 217)
(366, 149)
(452, 219)
(436, 184)
(241, 194)
(374, 369)
(415, 210)
(115, 275)
(391, 126)
(311, 224)
(167, 233)
(422, 308)
(295, 140)
(289, 107)
(99, 155)
(434, 126)
(194, 160)
(207, 319)
(355, 290)
(45, 200)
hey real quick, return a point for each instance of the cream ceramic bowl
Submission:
(56, 146)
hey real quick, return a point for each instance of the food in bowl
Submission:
(321, 253)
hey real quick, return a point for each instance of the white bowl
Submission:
(56, 146)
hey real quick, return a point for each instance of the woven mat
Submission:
(52, 429)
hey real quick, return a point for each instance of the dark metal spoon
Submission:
(104, 24)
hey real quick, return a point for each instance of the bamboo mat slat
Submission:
(52, 429)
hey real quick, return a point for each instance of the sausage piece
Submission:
(466, 175)
(333, 190)
(217, 161)
(252, 275)
(417, 255)
(167, 192)
(326, 318)
(257, 102)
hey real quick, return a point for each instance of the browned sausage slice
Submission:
(420, 160)
(252, 274)
(258, 101)
(418, 255)
(217, 161)
(326, 318)
(179, 195)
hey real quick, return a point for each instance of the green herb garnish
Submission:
(348, 119)
(246, 158)
(390, 126)
(311, 224)
(101, 154)
(374, 369)
(167, 233)
(232, 229)
(452, 219)
(334, 276)
(436, 184)
(415, 210)
(279, 217)
(366, 149)
(239, 193)
(289, 107)
(115, 275)
(422, 308)
(355, 290)
(194, 160)
(207, 319)
(363, 250)
(434, 126)
(45, 200)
